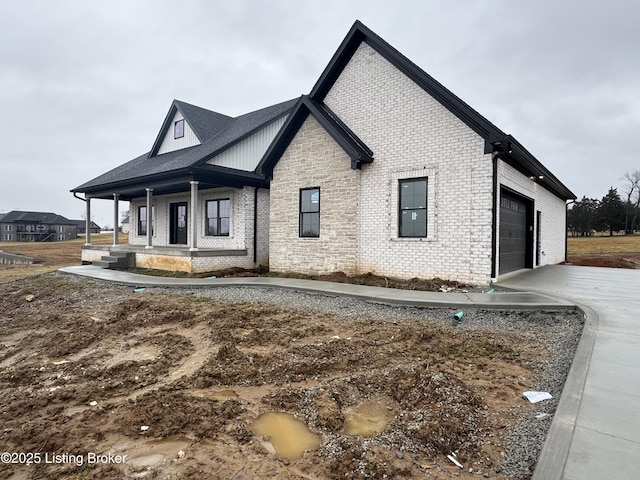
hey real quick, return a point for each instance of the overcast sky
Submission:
(85, 85)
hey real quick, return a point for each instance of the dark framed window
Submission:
(412, 215)
(310, 212)
(142, 220)
(178, 129)
(217, 214)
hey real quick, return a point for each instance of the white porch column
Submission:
(194, 215)
(149, 218)
(87, 222)
(116, 197)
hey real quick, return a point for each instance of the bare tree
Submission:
(632, 204)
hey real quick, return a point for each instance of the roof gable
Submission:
(495, 140)
(200, 126)
(360, 33)
(130, 179)
(348, 140)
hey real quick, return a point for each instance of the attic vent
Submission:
(178, 129)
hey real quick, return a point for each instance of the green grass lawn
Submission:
(49, 256)
(594, 245)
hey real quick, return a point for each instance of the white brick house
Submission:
(382, 169)
(379, 169)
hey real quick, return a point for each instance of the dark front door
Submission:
(178, 223)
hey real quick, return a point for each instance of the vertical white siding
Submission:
(246, 154)
(553, 209)
(170, 144)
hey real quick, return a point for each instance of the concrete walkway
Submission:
(503, 300)
(595, 433)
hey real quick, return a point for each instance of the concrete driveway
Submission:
(596, 430)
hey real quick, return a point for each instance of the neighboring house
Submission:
(81, 226)
(382, 169)
(17, 226)
(379, 169)
(196, 202)
(124, 228)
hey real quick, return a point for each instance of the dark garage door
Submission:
(513, 233)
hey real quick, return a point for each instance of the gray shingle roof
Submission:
(233, 131)
(83, 223)
(17, 216)
(205, 123)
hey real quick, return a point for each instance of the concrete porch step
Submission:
(101, 264)
(116, 260)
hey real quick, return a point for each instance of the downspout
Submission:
(494, 216)
(499, 147)
(255, 225)
(87, 223)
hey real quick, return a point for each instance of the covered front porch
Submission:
(178, 224)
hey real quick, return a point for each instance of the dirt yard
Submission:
(619, 251)
(99, 381)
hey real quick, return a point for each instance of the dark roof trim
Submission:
(348, 140)
(360, 33)
(494, 138)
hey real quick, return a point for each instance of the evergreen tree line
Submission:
(612, 213)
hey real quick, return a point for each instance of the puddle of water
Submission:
(146, 460)
(369, 418)
(288, 437)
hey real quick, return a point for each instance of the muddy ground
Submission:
(369, 279)
(176, 382)
(611, 260)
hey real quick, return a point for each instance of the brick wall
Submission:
(314, 159)
(263, 227)
(412, 135)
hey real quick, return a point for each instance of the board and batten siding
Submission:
(246, 154)
(170, 144)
